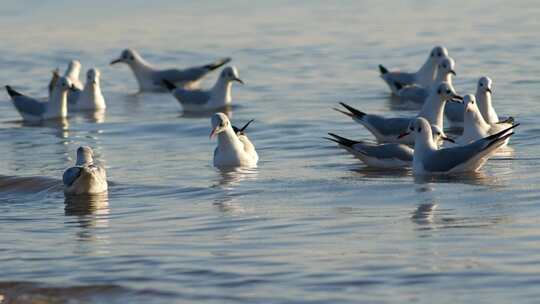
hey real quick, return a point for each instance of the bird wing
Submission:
(191, 97)
(26, 104)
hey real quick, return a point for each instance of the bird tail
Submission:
(214, 65)
(382, 69)
(354, 113)
(241, 130)
(500, 137)
(341, 140)
(169, 85)
(12, 93)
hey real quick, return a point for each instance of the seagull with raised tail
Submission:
(234, 149)
(429, 159)
(218, 97)
(392, 130)
(424, 77)
(391, 155)
(474, 125)
(85, 177)
(32, 109)
(151, 78)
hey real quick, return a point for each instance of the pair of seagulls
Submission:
(483, 133)
(183, 83)
(234, 149)
(65, 92)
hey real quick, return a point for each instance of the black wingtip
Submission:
(500, 139)
(169, 85)
(353, 111)
(382, 69)
(246, 125)
(342, 140)
(497, 135)
(217, 64)
(12, 92)
(398, 85)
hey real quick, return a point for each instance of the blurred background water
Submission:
(311, 224)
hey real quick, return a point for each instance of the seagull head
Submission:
(438, 134)
(438, 52)
(74, 66)
(446, 91)
(220, 122)
(85, 155)
(230, 74)
(92, 76)
(128, 57)
(422, 131)
(470, 104)
(484, 85)
(446, 66)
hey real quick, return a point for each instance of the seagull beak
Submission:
(238, 80)
(448, 139)
(116, 61)
(489, 90)
(403, 134)
(453, 72)
(213, 133)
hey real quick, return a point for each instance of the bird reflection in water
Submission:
(228, 180)
(91, 213)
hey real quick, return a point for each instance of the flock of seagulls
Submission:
(67, 94)
(418, 141)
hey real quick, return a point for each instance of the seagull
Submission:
(454, 112)
(391, 155)
(33, 110)
(90, 98)
(419, 94)
(218, 97)
(73, 93)
(423, 77)
(86, 177)
(392, 130)
(72, 73)
(428, 158)
(151, 78)
(474, 125)
(234, 149)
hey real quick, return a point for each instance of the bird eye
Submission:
(439, 54)
(481, 84)
(419, 129)
(444, 66)
(448, 92)
(439, 91)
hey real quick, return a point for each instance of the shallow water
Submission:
(311, 224)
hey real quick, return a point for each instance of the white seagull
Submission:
(72, 73)
(234, 148)
(85, 177)
(392, 130)
(474, 125)
(218, 97)
(428, 158)
(391, 155)
(90, 98)
(423, 77)
(151, 78)
(419, 94)
(33, 110)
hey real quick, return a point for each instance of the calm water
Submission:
(311, 224)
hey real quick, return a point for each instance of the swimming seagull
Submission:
(85, 177)
(419, 94)
(423, 77)
(151, 78)
(72, 73)
(392, 130)
(389, 155)
(33, 110)
(90, 98)
(454, 113)
(474, 125)
(218, 97)
(428, 158)
(233, 149)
